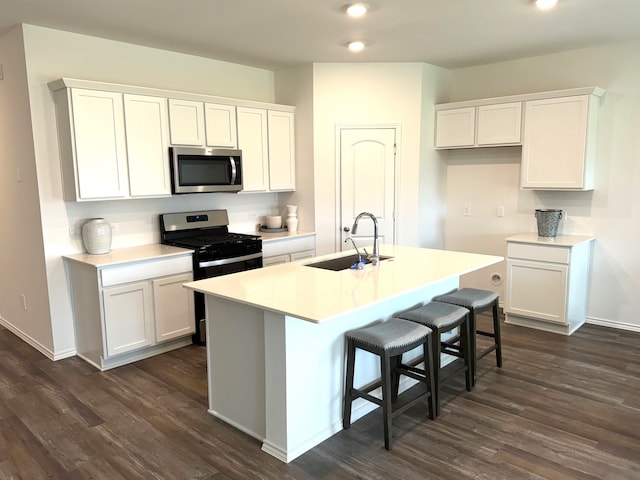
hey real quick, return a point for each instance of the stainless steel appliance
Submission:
(203, 170)
(216, 250)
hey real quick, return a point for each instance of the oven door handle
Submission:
(227, 261)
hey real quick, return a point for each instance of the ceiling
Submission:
(276, 34)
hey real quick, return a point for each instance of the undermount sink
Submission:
(341, 263)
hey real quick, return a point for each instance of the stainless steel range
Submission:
(216, 250)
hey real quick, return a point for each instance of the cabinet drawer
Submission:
(134, 272)
(288, 245)
(543, 253)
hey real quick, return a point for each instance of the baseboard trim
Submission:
(34, 343)
(611, 324)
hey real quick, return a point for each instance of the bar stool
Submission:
(389, 340)
(478, 301)
(443, 318)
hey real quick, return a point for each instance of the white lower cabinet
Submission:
(130, 311)
(128, 317)
(288, 249)
(547, 281)
(171, 301)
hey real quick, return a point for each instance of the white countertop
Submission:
(270, 237)
(560, 240)
(128, 255)
(318, 295)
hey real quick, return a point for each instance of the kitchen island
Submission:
(275, 338)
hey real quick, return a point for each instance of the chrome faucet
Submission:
(360, 262)
(374, 257)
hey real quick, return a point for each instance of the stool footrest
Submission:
(486, 334)
(357, 393)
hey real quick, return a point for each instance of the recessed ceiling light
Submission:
(546, 4)
(356, 9)
(356, 46)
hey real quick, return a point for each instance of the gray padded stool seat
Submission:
(389, 340)
(442, 318)
(478, 301)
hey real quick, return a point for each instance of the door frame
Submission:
(337, 234)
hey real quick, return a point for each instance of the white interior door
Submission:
(367, 183)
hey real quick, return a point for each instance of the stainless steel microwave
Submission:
(203, 170)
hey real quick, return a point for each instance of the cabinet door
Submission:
(99, 144)
(174, 307)
(147, 127)
(282, 174)
(252, 140)
(455, 127)
(554, 144)
(220, 124)
(537, 290)
(186, 122)
(499, 124)
(128, 317)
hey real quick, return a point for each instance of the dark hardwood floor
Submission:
(560, 408)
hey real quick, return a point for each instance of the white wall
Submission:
(51, 54)
(432, 174)
(487, 178)
(21, 244)
(367, 94)
(294, 86)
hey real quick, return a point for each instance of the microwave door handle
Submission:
(234, 171)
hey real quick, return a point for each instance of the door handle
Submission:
(346, 229)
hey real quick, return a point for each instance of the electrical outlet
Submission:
(466, 210)
(115, 227)
(24, 302)
(252, 215)
(500, 211)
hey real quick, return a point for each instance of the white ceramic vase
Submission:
(96, 236)
(292, 218)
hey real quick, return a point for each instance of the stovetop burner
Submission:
(205, 241)
(207, 232)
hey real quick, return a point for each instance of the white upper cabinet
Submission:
(559, 143)
(112, 145)
(147, 128)
(266, 138)
(220, 125)
(481, 126)
(253, 141)
(282, 175)
(186, 122)
(557, 131)
(456, 128)
(114, 139)
(499, 124)
(199, 124)
(95, 140)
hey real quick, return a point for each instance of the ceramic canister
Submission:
(96, 236)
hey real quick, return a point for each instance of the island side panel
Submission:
(305, 372)
(235, 364)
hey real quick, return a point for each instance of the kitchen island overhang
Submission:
(275, 338)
